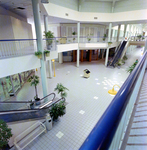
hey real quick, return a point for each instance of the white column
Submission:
(78, 36)
(37, 20)
(125, 29)
(46, 30)
(107, 54)
(130, 26)
(109, 32)
(118, 32)
(113, 35)
(60, 55)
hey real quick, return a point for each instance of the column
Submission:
(78, 36)
(46, 30)
(109, 32)
(13, 90)
(60, 57)
(36, 12)
(125, 29)
(118, 33)
(130, 26)
(107, 54)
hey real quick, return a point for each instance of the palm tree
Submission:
(61, 89)
(34, 80)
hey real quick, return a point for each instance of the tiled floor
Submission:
(87, 100)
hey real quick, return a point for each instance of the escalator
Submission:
(11, 111)
(117, 54)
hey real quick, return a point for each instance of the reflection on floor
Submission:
(87, 100)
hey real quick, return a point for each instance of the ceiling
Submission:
(12, 5)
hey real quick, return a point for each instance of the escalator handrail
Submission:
(118, 48)
(35, 109)
(101, 132)
(28, 101)
(118, 56)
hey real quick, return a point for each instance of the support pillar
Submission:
(125, 29)
(60, 57)
(130, 30)
(37, 20)
(12, 86)
(118, 33)
(106, 59)
(46, 30)
(78, 36)
(109, 32)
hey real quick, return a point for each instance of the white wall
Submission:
(89, 17)
(128, 5)
(72, 4)
(6, 30)
(15, 65)
(21, 29)
(102, 7)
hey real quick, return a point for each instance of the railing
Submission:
(102, 134)
(24, 105)
(90, 39)
(25, 112)
(18, 47)
(136, 38)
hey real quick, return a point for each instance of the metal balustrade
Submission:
(109, 131)
(19, 47)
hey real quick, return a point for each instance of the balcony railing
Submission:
(20, 47)
(109, 131)
(12, 48)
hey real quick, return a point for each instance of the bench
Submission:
(27, 136)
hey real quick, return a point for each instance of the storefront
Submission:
(11, 84)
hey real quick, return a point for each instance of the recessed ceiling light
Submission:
(20, 8)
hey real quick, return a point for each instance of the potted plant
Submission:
(49, 39)
(5, 135)
(32, 105)
(130, 69)
(47, 53)
(109, 43)
(38, 54)
(89, 37)
(125, 57)
(34, 80)
(104, 37)
(74, 33)
(118, 63)
(57, 110)
(61, 90)
(139, 37)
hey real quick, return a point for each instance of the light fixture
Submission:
(113, 92)
(21, 8)
(45, 1)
